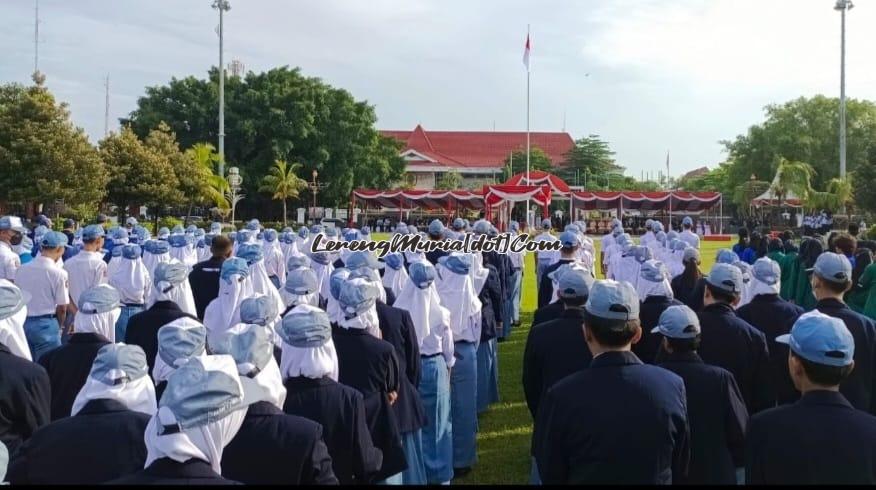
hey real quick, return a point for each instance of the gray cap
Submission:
(258, 310)
(726, 277)
(833, 267)
(131, 252)
(322, 258)
(457, 263)
(394, 260)
(12, 299)
(301, 281)
(297, 262)
(574, 282)
(726, 256)
(569, 239)
(653, 271)
(458, 224)
(12, 223)
(119, 363)
(309, 329)
(181, 339)
(366, 273)
(767, 271)
(250, 252)
(99, 299)
(482, 227)
(172, 272)
(691, 253)
(53, 239)
(642, 253)
(251, 348)
(234, 266)
(422, 274)
(436, 227)
(678, 322)
(361, 259)
(687, 221)
(357, 296)
(546, 224)
(337, 278)
(613, 300)
(204, 391)
(92, 232)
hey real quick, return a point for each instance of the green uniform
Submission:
(788, 265)
(868, 283)
(803, 292)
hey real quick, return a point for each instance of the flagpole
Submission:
(528, 182)
(668, 186)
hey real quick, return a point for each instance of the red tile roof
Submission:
(480, 148)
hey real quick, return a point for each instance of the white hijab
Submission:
(458, 295)
(132, 280)
(181, 294)
(367, 320)
(151, 261)
(269, 378)
(103, 324)
(137, 395)
(292, 299)
(261, 284)
(756, 287)
(310, 362)
(648, 288)
(188, 254)
(425, 308)
(478, 273)
(395, 280)
(12, 333)
(323, 274)
(224, 312)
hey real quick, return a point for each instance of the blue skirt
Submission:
(437, 433)
(463, 405)
(488, 375)
(122, 322)
(412, 443)
(42, 334)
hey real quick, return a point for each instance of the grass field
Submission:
(506, 428)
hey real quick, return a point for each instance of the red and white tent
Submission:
(559, 188)
(676, 201)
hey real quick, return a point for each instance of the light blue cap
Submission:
(726, 277)
(366, 273)
(482, 227)
(12, 300)
(572, 227)
(691, 253)
(456, 262)
(617, 231)
(766, 271)
(142, 233)
(53, 239)
(172, 272)
(616, 222)
(745, 269)
(458, 224)
(357, 296)
(200, 233)
(361, 259)
(366, 230)
(191, 229)
(131, 251)
(306, 330)
(301, 281)
(204, 391)
(653, 271)
(131, 221)
(322, 258)
(613, 300)
(251, 348)
(671, 234)
(40, 231)
(351, 235)
(337, 278)
(642, 253)
(331, 232)
(270, 235)
(120, 234)
(92, 232)
(833, 267)
(99, 299)
(679, 245)
(215, 227)
(181, 339)
(244, 236)
(569, 239)
(303, 232)
(251, 252)
(436, 228)
(394, 261)
(678, 322)
(821, 339)
(298, 262)
(687, 221)
(258, 310)
(726, 256)
(314, 229)
(163, 232)
(253, 225)
(12, 223)
(234, 266)
(546, 224)
(514, 226)
(160, 247)
(117, 251)
(422, 274)
(573, 282)
(178, 241)
(119, 363)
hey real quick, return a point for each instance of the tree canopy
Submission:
(515, 163)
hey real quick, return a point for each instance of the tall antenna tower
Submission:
(36, 38)
(106, 107)
(236, 67)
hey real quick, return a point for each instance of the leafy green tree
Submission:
(515, 163)
(744, 193)
(140, 173)
(865, 183)
(43, 156)
(450, 181)
(713, 181)
(792, 177)
(590, 156)
(283, 183)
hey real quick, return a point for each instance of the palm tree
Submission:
(792, 177)
(283, 183)
(210, 186)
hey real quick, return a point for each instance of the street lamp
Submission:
(235, 180)
(843, 6)
(222, 6)
(315, 189)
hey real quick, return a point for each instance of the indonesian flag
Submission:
(526, 53)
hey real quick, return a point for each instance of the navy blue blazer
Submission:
(25, 399)
(340, 410)
(860, 386)
(397, 328)
(731, 343)
(649, 316)
(717, 417)
(618, 422)
(546, 286)
(143, 327)
(274, 448)
(166, 471)
(820, 440)
(102, 442)
(492, 303)
(548, 312)
(693, 298)
(204, 280)
(554, 350)
(774, 316)
(68, 367)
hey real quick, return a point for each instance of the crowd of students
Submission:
(202, 357)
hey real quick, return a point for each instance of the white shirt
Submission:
(690, 238)
(608, 242)
(85, 270)
(46, 283)
(548, 256)
(9, 262)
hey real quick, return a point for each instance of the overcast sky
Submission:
(647, 75)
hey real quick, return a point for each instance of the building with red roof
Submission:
(478, 156)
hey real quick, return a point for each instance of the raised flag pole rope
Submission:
(526, 62)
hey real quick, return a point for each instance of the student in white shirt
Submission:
(46, 283)
(517, 260)
(12, 231)
(86, 269)
(133, 282)
(687, 235)
(545, 259)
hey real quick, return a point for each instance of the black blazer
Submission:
(102, 442)
(398, 329)
(68, 367)
(649, 316)
(341, 412)
(143, 327)
(25, 399)
(204, 280)
(546, 286)
(274, 448)
(718, 419)
(820, 440)
(492, 305)
(166, 471)
(548, 312)
(618, 422)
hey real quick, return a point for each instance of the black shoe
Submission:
(460, 472)
(500, 339)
